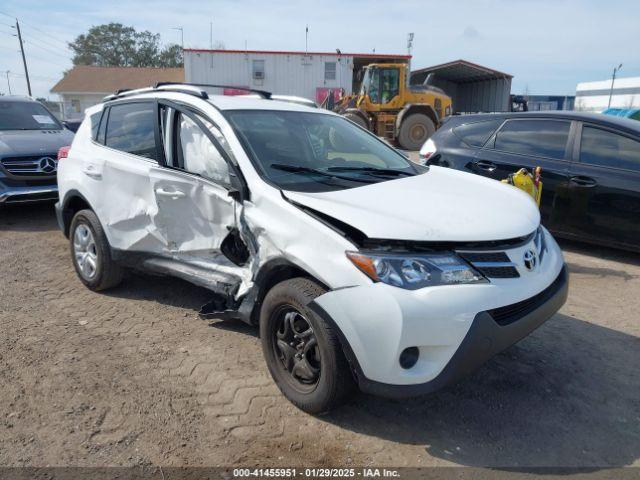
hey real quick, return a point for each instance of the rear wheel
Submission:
(302, 351)
(415, 129)
(91, 253)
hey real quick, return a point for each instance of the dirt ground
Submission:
(134, 377)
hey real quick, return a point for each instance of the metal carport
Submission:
(472, 87)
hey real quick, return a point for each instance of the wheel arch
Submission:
(72, 203)
(270, 274)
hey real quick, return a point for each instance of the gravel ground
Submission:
(134, 377)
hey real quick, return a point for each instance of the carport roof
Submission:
(462, 71)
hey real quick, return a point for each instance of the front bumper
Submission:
(456, 328)
(25, 194)
(484, 339)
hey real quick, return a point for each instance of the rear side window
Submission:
(476, 134)
(543, 138)
(131, 129)
(95, 123)
(608, 149)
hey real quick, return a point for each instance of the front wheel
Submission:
(91, 253)
(302, 351)
(415, 130)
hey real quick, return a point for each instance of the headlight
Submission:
(415, 271)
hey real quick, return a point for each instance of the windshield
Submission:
(366, 82)
(316, 152)
(26, 116)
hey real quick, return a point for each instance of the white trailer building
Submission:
(306, 74)
(594, 96)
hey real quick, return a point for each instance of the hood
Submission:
(439, 205)
(33, 142)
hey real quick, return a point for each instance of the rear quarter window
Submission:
(95, 124)
(476, 134)
(608, 149)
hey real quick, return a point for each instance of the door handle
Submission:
(170, 193)
(90, 171)
(584, 181)
(486, 165)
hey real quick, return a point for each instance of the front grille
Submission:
(491, 264)
(31, 165)
(498, 272)
(511, 313)
(473, 257)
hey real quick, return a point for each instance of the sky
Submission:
(547, 45)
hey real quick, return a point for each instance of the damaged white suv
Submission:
(360, 267)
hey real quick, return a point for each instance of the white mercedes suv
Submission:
(360, 267)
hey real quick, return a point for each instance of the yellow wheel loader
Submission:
(393, 109)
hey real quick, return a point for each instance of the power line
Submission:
(38, 29)
(32, 41)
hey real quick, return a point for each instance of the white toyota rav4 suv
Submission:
(360, 267)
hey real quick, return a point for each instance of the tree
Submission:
(115, 45)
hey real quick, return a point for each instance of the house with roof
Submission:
(84, 86)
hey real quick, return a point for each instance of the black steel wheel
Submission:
(302, 351)
(296, 343)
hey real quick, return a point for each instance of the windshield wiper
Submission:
(301, 169)
(372, 171)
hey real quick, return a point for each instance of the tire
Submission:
(357, 119)
(329, 387)
(92, 246)
(415, 129)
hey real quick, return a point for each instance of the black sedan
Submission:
(590, 166)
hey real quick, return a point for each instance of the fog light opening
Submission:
(409, 357)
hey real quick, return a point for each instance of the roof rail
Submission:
(263, 93)
(168, 86)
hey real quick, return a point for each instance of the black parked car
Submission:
(590, 166)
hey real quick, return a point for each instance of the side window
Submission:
(131, 129)
(193, 151)
(544, 138)
(374, 86)
(390, 84)
(476, 134)
(608, 149)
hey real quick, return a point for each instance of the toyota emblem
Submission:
(47, 165)
(530, 260)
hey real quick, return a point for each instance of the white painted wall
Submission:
(74, 104)
(285, 74)
(594, 96)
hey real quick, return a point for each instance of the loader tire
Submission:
(415, 129)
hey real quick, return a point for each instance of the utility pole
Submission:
(211, 35)
(181, 36)
(306, 40)
(613, 79)
(24, 60)
(409, 47)
(8, 82)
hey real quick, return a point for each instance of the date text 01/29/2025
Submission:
(315, 472)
